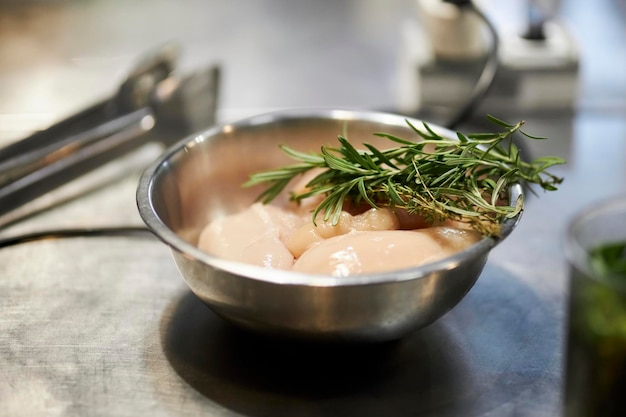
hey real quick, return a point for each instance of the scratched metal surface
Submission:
(105, 326)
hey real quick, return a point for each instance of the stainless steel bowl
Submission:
(200, 179)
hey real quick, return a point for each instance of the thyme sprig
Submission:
(462, 179)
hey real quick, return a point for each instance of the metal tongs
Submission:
(151, 105)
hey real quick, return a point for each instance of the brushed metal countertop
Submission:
(105, 326)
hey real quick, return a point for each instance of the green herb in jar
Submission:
(596, 363)
(609, 260)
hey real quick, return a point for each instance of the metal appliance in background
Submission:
(152, 109)
(535, 71)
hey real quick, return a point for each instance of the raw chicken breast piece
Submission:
(378, 251)
(252, 236)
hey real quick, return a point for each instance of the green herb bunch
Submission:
(463, 179)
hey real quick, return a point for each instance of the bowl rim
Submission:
(288, 277)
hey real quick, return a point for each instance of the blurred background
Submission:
(58, 56)
(561, 67)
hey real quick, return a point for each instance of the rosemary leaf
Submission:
(462, 179)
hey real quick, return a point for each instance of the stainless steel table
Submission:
(105, 326)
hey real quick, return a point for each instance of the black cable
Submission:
(120, 231)
(488, 73)
(459, 2)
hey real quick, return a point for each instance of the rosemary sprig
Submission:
(461, 179)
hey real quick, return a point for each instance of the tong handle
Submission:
(27, 155)
(66, 128)
(130, 135)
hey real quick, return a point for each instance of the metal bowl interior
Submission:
(199, 179)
